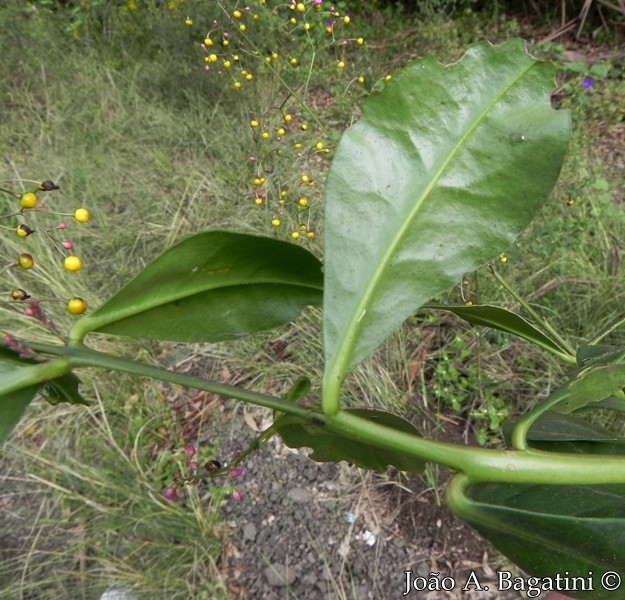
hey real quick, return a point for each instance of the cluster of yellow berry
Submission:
(29, 206)
(289, 140)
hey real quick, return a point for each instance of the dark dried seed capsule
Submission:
(47, 186)
(19, 294)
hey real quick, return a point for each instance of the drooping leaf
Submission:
(13, 404)
(549, 530)
(593, 385)
(591, 355)
(328, 446)
(556, 432)
(446, 167)
(552, 426)
(212, 286)
(499, 318)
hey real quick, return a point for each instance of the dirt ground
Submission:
(304, 530)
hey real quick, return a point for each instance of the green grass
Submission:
(127, 123)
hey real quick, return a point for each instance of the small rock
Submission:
(279, 575)
(299, 495)
(249, 532)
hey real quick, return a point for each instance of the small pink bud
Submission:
(203, 46)
(207, 69)
(68, 245)
(190, 450)
(236, 495)
(62, 226)
(237, 471)
(178, 475)
(29, 312)
(170, 493)
(193, 465)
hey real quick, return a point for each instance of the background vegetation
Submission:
(111, 100)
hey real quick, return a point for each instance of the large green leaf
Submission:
(328, 446)
(446, 167)
(503, 320)
(213, 286)
(550, 530)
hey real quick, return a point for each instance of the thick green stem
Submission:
(81, 356)
(479, 464)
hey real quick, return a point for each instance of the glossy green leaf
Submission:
(550, 530)
(446, 167)
(502, 320)
(331, 447)
(212, 286)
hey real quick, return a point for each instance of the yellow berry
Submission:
(264, 135)
(319, 146)
(258, 201)
(208, 42)
(310, 235)
(307, 26)
(81, 215)
(303, 202)
(249, 77)
(346, 20)
(281, 131)
(225, 43)
(254, 123)
(305, 178)
(76, 306)
(274, 55)
(227, 64)
(361, 79)
(188, 21)
(242, 27)
(276, 222)
(300, 7)
(267, 59)
(503, 259)
(236, 14)
(388, 78)
(304, 127)
(294, 61)
(360, 41)
(340, 65)
(72, 263)
(257, 181)
(288, 118)
(212, 58)
(283, 194)
(295, 235)
(297, 146)
(303, 227)
(28, 200)
(293, 21)
(237, 85)
(25, 261)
